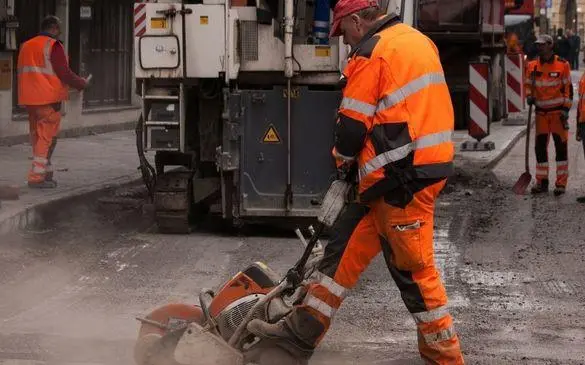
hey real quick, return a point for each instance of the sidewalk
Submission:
(81, 165)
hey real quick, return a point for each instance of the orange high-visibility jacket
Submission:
(37, 82)
(512, 44)
(396, 116)
(553, 89)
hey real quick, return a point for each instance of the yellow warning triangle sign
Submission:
(271, 135)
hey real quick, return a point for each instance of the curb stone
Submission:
(490, 165)
(28, 215)
(489, 162)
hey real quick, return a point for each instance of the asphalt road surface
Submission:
(512, 266)
(70, 289)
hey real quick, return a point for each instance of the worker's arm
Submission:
(356, 113)
(581, 96)
(61, 68)
(530, 69)
(567, 89)
(580, 122)
(567, 94)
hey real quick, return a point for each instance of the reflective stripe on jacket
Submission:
(553, 89)
(38, 83)
(396, 116)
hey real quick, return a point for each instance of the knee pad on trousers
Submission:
(541, 147)
(561, 148)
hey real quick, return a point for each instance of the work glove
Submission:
(347, 171)
(88, 81)
(531, 100)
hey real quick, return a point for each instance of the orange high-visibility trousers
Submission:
(548, 124)
(405, 237)
(44, 122)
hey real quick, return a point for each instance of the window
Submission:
(106, 53)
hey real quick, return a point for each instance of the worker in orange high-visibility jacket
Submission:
(43, 79)
(512, 43)
(552, 95)
(581, 121)
(395, 122)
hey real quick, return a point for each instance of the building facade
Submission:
(567, 14)
(98, 37)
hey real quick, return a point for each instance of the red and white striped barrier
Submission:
(479, 111)
(139, 19)
(478, 125)
(514, 83)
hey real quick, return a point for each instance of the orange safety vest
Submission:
(581, 109)
(396, 114)
(553, 89)
(37, 82)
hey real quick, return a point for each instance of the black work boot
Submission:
(49, 173)
(559, 190)
(283, 336)
(540, 187)
(43, 184)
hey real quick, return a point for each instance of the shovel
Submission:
(525, 179)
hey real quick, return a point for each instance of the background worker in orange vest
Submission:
(581, 120)
(553, 98)
(512, 43)
(395, 123)
(43, 79)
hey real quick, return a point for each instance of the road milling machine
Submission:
(240, 97)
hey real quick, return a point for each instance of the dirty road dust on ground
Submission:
(72, 286)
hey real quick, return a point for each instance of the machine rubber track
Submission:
(173, 202)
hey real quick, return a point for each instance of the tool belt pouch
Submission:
(394, 187)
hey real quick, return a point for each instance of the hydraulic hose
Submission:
(148, 172)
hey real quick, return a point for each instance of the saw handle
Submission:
(296, 274)
(205, 299)
(333, 203)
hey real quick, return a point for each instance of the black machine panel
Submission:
(264, 153)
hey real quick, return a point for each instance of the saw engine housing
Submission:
(235, 299)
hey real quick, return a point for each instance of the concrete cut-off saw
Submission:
(214, 332)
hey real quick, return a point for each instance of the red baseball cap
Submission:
(344, 8)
